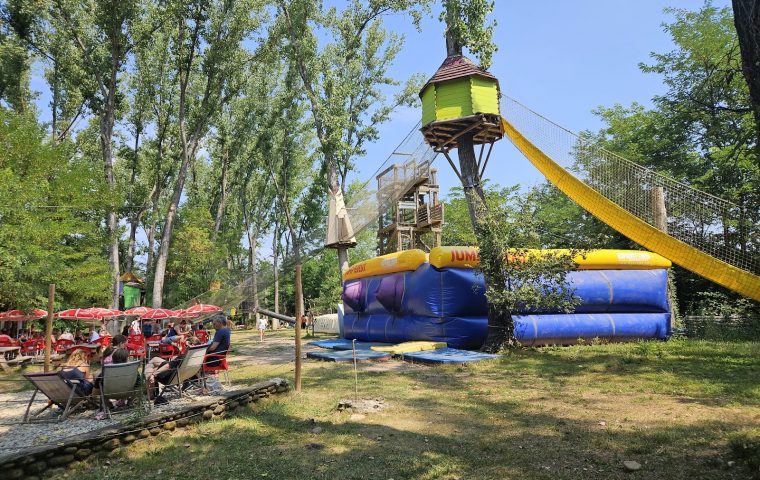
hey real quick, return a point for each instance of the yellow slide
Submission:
(408, 347)
(631, 226)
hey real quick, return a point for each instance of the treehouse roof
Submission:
(457, 66)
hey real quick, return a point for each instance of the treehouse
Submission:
(460, 98)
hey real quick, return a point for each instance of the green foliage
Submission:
(195, 260)
(458, 228)
(702, 132)
(516, 280)
(51, 203)
(467, 24)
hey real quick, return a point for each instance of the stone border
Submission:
(32, 463)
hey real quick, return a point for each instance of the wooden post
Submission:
(659, 214)
(49, 326)
(299, 313)
(660, 221)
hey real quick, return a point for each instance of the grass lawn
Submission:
(574, 412)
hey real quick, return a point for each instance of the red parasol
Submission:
(77, 314)
(158, 314)
(21, 315)
(201, 309)
(105, 312)
(139, 311)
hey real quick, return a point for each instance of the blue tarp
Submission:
(348, 355)
(346, 344)
(448, 356)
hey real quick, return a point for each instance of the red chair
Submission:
(167, 351)
(136, 345)
(30, 348)
(220, 367)
(202, 335)
(154, 338)
(62, 346)
(104, 341)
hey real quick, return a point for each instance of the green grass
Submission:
(679, 408)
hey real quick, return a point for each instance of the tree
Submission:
(747, 23)
(343, 78)
(207, 52)
(51, 200)
(701, 132)
(101, 31)
(17, 19)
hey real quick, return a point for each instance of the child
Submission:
(261, 323)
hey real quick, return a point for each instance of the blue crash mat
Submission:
(448, 356)
(348, 356)
(345, 344)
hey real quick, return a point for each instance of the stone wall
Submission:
(40, 462)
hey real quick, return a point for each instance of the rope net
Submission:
(364, 206)
(703, 221)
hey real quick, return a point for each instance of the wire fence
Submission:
(715, 226)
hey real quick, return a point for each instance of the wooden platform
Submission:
(443, 135)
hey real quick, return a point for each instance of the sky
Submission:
(560, 58)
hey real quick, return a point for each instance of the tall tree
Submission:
(101, 30)
(207, 48)
(17, 19)
(343, 78)
(747, 22)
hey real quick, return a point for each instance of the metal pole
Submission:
(299, 313)
(49, 326)
(356, 372)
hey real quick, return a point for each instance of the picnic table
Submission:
(6, 352)
(89, 348)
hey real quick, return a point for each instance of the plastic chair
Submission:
(202, 335)
(61, 346)
(220, 367)
(136, 345)
(60, 391)
(167, 351)
(104, 341)
(118, 383)
(190, 366)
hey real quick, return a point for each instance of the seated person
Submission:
(221, 342)
(66, 335)
(78, 337)
(184, 327)
(158, 370)
(119, 355)
(77, 367)
(119, 341)
(93, 336)
(171, 337)
(125, 331)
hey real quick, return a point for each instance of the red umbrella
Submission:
(77, 314)
(105, 312)
(21, 315)
(139, 311)
(201, 308)
(158, 314)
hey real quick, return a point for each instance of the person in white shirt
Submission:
(261, 323)
(66, 335)
(94, 335)
(136, 329)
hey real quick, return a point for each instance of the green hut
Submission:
(460, 96)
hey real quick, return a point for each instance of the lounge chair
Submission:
(58, 390)
(118, 383)
(189, 368)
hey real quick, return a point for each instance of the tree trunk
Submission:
(276, 272)
(106, 136)
(222, 197)
(500, 322)
(747, 23)
(252, 265)
(166, 233)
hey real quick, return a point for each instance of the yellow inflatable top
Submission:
(467, 257)
(407, 260)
